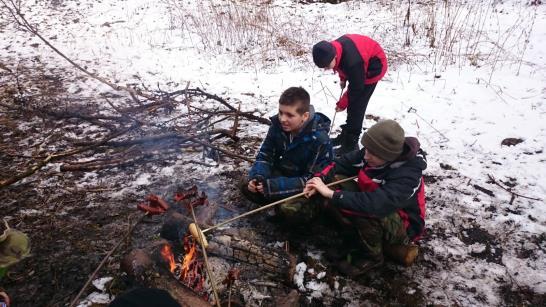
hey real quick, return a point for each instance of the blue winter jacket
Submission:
(284, 164)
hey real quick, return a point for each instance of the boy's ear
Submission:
(306, 116)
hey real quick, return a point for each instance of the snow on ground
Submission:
(461, 106)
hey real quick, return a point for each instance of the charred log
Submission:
(278, 263)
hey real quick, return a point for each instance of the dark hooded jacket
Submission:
(286, 163)
(399, 187)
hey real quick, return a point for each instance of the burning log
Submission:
(276, 262)
(140, 267)
(176, 224)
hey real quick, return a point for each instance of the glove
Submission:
(154, 205)
(343, 102)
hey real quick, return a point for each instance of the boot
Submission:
(359, 268)
(403, 254)
(338, 140)
(349, 143)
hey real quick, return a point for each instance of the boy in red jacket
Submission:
(361, 61)
(386, 206)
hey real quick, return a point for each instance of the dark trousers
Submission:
(357, 109)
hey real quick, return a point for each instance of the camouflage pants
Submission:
(373, 232)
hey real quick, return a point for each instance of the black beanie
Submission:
(323, 53)
(384, 140)
(145, 297)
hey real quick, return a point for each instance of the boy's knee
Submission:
(297, 210)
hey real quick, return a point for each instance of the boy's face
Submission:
(291, 120)
(373, 160)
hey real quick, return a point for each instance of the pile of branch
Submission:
(154, 129)
(126, 127)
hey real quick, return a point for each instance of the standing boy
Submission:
(361, 61)
(386, 208)
(296, 146)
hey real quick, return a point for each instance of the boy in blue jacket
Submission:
(296, 146)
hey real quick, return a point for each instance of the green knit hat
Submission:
(384, 139)
(14, 246)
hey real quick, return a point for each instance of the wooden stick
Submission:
(509, 190)
(209, 272)
(271, 205)
(92, 276)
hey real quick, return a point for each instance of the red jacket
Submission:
(396, 187)
(361, 61)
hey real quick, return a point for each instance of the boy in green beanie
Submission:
(386, 206)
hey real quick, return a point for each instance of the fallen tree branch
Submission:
(484, 190)
(514, 194)
(54, 157)
(227, 153)
(92, 276)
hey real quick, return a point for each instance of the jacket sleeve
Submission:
(393, 194)
(343, 102)
(286, 186)
(264, 159)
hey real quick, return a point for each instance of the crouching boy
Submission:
(386, 206)
(296, 146)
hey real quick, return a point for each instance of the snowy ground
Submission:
(484, 83)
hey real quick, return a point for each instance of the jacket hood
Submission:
(412, 153)
(411, 147)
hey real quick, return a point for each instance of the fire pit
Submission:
(177, 263)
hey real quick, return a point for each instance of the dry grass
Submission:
(255, 31)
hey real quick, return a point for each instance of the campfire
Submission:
(186, 272)
(188, 268)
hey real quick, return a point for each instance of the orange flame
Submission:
(188, 258)
(168, 255)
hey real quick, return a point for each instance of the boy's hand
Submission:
(316, 185)
(255, 186)
(309, 191)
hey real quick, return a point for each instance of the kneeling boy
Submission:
(296, 146)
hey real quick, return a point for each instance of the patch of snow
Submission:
(477, 248)
(299, 275)
(143, 179)
(101, 283)
(318, 288)
(95, 298)
(30, 212)
(316, 255)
